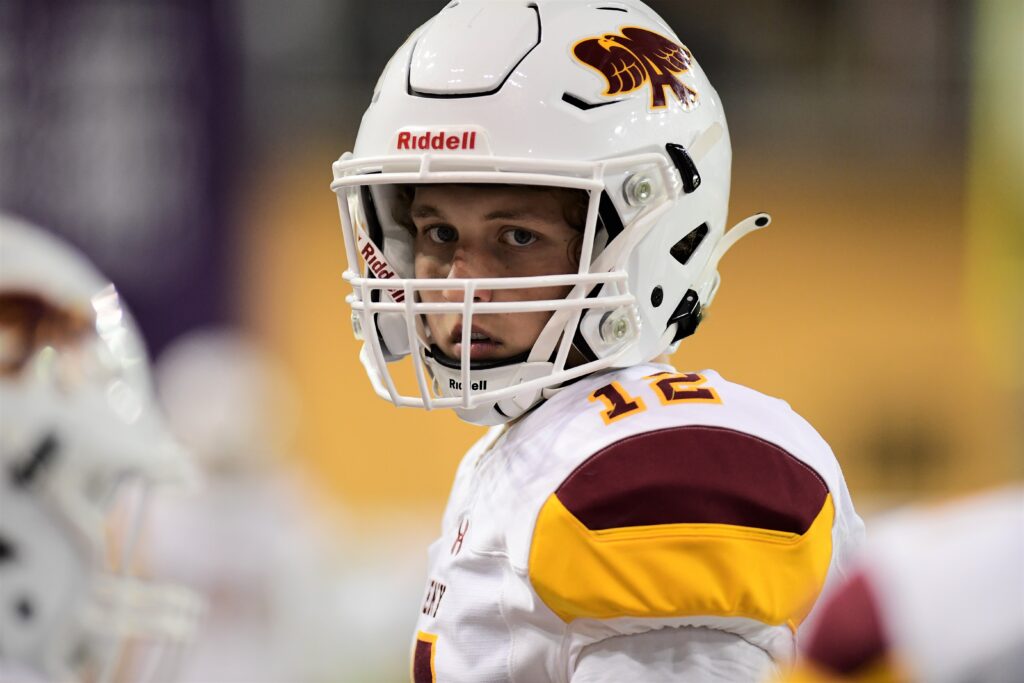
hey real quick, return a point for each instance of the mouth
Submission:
(482, 343)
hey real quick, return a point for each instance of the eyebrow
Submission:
(512, 215)
(430, 211)
(425, 211)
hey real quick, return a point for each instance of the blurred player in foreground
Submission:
(81, 447)
(534, 213)
(937, 597)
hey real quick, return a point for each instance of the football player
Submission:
(937, 595)
(81, 446)
(534, 212)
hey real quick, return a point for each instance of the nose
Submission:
(462, 268)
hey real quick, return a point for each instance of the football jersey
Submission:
(633, 500)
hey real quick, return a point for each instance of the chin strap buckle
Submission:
(686, 317)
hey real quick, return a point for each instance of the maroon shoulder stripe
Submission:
(849, 635)
(694, 474)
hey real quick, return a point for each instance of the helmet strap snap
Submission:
(686, 317)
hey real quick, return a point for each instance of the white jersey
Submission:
(631, 501)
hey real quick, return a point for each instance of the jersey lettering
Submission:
(435, 591)
(617, 401)
(678, 387)
(670, 388)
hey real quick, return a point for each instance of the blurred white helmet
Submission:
(601, 97)
(80, 441)
(228, 399)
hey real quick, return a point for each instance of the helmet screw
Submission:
(620, 328)
(639, 190)
(657, 296)
(614, 327)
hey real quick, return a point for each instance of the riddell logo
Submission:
(474, 386)
(380, 269)
(438, 140)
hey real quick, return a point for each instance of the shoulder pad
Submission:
(685, 521)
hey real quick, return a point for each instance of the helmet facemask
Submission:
(588, 329)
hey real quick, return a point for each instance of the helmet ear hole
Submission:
(683, 249)
(657, 296)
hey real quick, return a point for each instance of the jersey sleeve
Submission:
(690, 521)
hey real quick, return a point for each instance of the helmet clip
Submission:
(686, 316)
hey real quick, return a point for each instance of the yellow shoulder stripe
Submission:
(677, 570)
(885, 670)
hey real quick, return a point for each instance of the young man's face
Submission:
(478, 231)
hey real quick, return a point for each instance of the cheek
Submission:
(426, 267)
(431, 260)
(430, 296)
(561, 258)
(523, 328)
(533, 294)
(422, 265)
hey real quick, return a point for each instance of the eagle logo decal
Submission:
(636, 57)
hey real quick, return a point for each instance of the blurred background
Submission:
(186, 146)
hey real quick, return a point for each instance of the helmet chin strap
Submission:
(735, 233)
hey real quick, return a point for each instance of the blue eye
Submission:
(518, 237)
(442, 234)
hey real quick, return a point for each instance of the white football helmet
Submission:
(596, 96)
(80, 445)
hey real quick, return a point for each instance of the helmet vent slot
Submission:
(607, 8)
(582, 104)
(687, 169)
(683, 249)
